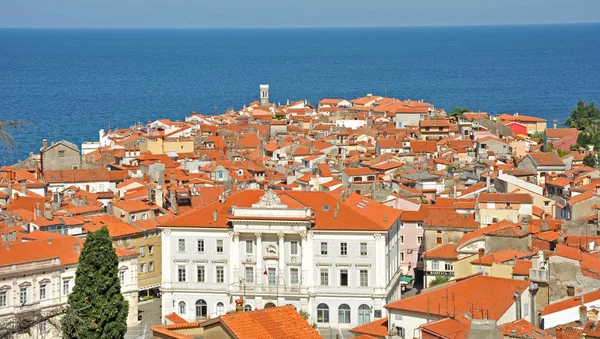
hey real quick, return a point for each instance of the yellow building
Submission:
(142, 237)
(493, 207)
(161, 146)
(502, 264)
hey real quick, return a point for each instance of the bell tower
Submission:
(264, 95)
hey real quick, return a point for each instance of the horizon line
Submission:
(301, 27)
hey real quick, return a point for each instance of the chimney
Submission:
(7, 246)
(24, 187)
(77, 247)
(559, 332)
(516, 114)
(554, 123)
(335, 214)
(215, 215)
(481, 252)
(525, 225)
(49, 241)
(544, 225)
(45, 144)
(583, 314)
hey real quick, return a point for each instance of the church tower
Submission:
(264, 95)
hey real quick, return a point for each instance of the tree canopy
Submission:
(96, 308)
(589, 160)
(459, 111)
(583, 116)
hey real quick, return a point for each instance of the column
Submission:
(281, 252)
(259, 259)
(234, 257)
(380, 263)
(307, 260)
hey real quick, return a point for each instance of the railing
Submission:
(539, 275)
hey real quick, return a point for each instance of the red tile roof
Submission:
(522, 267)
(546, 159)
(519, 198)
(524, 329)
(377, 328)
(493, 294)
(446, 251)
(448, 217)
(571, 302)
(176, 319)
(269, 323)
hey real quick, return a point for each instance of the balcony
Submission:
(539, 275)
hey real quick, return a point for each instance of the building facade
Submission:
(315, 250)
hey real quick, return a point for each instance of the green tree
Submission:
(589, 160)
(458, 112)
(583, 116)
(96, 308)
(438, 280)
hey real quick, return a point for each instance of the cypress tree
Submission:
(96, 307)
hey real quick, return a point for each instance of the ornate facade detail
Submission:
(258, 235)
(167, 231)
(269, 200)
(377, 236)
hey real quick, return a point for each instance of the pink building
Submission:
(412, 243)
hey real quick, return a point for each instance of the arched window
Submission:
(364, 314)
(181, 307)
(269, 305)
(322, 313)
(247, 308)
(201, 308)
(220, 308)
(344, 314)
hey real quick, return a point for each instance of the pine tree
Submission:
(96, 307)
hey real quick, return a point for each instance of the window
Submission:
(402, 239)
(220, 308)
(200, 274)
(323, 248)
(363, 248)
(435, 265)
(181, 273)
(364, 278)
(448, 266)
(364, 314)
(249, 248)
(66, 289)
(419, 225)
(294, 248)
(344, 248)
(294, 278)
(344, 314)
(143, 268)
(3, 299)
(23, 296)
(42, 291)
(272, 276)
(144, 216)
(419, 240)
(181, 245)
(181, 308)
(343, 277)
(61, 154)
(438, 240)
(401, 332)
(249, 275)
(142, 251)
(43, 326)
(570, 291)
(122, 277)
(247, 308)
(133, 218)
(120, 242)
(487, 219)
(401, 256)
(200, 245)
(377, 314)
(219, 246)
(401, 225)
(322, 313)
(220, 274)
(150, 249)
(201, 308)
(525, 309)
(546, 203)
(324, 277)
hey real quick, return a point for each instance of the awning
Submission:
(406, 279)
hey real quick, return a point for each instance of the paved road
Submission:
(151, 312)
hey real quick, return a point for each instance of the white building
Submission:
(39, 275)
(335, 257)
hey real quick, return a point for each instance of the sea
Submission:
(69, 83)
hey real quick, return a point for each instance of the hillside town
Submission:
(370, 218)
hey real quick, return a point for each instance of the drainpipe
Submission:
(518, 304)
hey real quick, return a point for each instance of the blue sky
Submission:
(291, 13)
